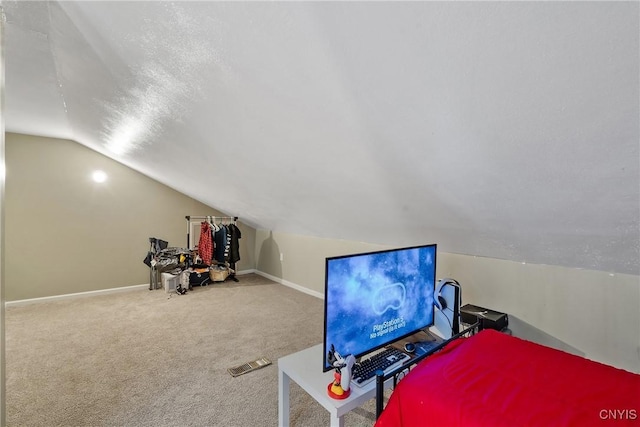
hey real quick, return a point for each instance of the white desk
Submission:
(305, 368)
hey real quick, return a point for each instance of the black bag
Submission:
(148, 258)
(199, 279)
(158, 244)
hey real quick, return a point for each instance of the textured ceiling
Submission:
(498, 129)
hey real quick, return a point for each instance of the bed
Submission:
(494, 379)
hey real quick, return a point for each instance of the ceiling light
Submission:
(99, 176)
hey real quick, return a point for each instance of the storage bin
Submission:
(170, 282)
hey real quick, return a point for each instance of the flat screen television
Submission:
(373, 299)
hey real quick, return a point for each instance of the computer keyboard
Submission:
(387, 360)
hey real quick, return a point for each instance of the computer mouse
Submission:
(409, 347)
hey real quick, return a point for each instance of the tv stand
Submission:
(304, 367)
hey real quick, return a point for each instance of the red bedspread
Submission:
(493, 379)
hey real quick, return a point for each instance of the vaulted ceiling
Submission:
(499, 129)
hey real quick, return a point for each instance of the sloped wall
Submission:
(67, 234)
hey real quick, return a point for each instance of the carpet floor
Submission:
(147, 358)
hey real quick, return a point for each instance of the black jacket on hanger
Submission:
(234, 253)
(220, 238)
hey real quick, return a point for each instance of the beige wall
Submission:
(66, 234)
(302, 257)
(598, 313)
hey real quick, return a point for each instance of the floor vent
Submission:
(249, 366)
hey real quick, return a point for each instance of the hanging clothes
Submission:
(234, 245)
(205, 244)
(227, 244)
(220, 237)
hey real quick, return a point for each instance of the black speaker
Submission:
(489, 319)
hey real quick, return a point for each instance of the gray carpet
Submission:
(144, 358)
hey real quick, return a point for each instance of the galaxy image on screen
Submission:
(376, 298)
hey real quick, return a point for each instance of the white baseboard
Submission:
(290, 284)
(22, 302)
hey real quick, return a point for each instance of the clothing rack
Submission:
(190, 218)
(211, 219)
